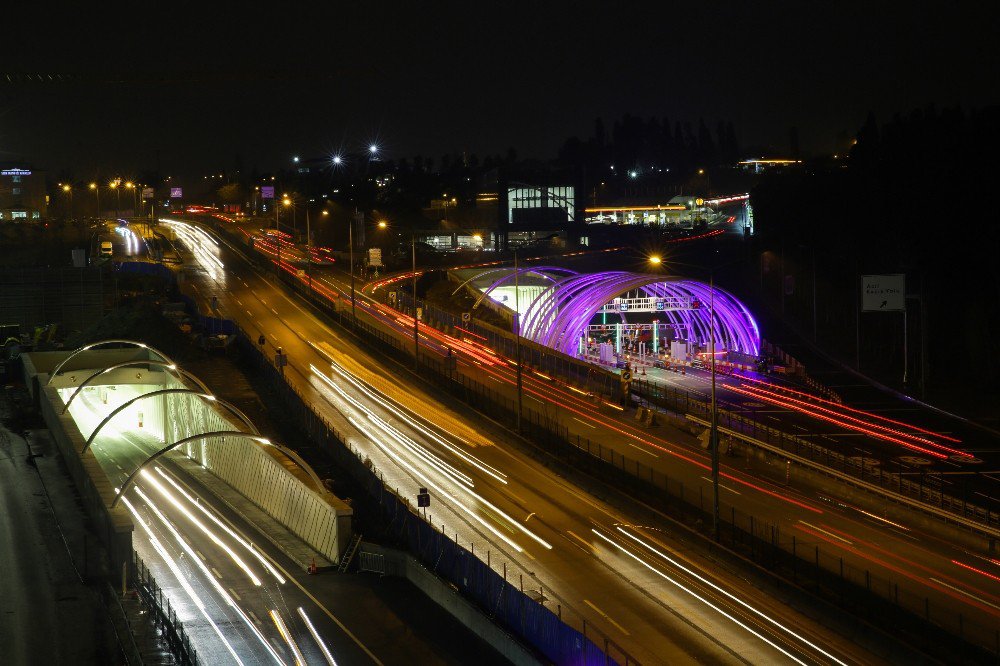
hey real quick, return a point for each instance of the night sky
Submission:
(189, 88)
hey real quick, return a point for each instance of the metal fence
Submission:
(178, 642)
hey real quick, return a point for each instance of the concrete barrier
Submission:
(404, 565)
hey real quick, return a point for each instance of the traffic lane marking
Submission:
(607, 617)
(723, 486)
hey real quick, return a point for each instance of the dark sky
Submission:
(198, 83)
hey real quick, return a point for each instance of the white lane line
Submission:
(201, 556)
(830, 534)
(239, 301)
(639, 448)
(968, 594)
(235, 596)
(216, 572)
(274, 337)
(250, 314)
(723, 486)
(589, 425)
(607, 617)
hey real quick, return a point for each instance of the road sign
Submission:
(392, 298)
(423, 498)
(267, 192)
(626, 376)
(147, 193)
(375, 257)
(176, 193)
(883, 293)
(466, 316)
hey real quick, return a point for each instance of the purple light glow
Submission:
(557, 317)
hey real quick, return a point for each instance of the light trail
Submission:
(300, 660)
(232, 533)
(704, 580)
(443, 494)
(700, 598)
(468, 489)
(148, 476)
(316, 637)
(179, 575)
(219, 589)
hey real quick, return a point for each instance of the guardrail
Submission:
(177, 640)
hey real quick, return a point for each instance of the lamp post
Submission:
(517, 340)
(713, 436)
(416, 319)
(69, 196)
(118, 196)
(97, 193)
(309, 249)
(713, 431)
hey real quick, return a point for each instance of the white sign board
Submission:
(375, 257)
(883, 293)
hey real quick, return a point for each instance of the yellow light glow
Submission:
(382, 224)
(655, 259)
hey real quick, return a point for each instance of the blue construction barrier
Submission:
(147, 268)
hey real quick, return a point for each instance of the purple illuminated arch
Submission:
(558, 316)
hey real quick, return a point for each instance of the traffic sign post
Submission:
(466, 317)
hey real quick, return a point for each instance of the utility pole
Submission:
(350, 241)
(277, 237)
(517, 331)
(416, 319)
(714, 430)
(309, 250)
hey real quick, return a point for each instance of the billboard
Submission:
(176, 193)
(267, 191)
(147, 193)
(883, 293)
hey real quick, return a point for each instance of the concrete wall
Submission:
(321, 520)
(404, 565)
(113, 526)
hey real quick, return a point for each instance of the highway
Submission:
(638, 584)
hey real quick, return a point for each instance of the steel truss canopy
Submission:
(561, 314)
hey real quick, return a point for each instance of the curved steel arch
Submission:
(152, 394)
(220, 433)
(168, 366)
(521, 271)
(99, 343)
(559, 314)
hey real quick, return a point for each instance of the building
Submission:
(682, 211)
(22, 193)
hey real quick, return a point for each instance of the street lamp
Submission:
(69, 195)
(118, 196)
(97, 193)
(713, 436)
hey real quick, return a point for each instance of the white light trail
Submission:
(316, 637)
(438, 489)
(221, 591)
(701, 599)
(289, 639)
(179, 575)
(739, 601)
(148, 476)
(228, 530)
(468, 490)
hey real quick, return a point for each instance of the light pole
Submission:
(416, 319)
(309, 249)
(517, 339)
(118, 196)
(97, 193)
(713, 431)
(69, 196)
